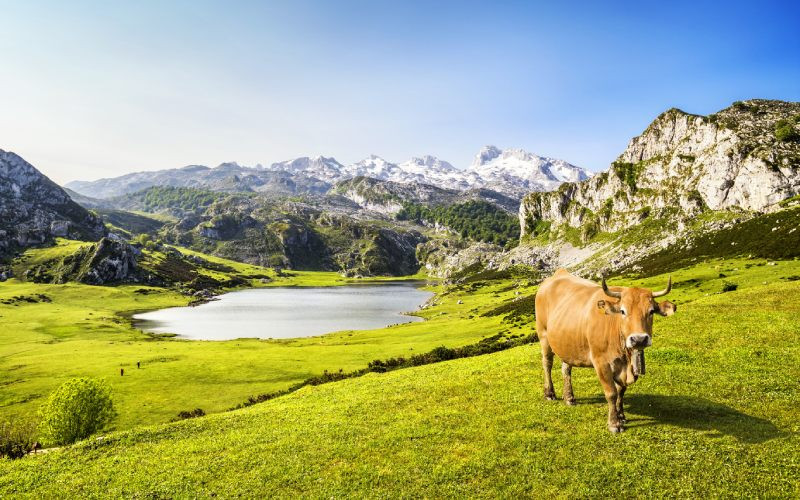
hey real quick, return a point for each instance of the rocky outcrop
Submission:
(34, 210)
(111, 261)
(445, 257)
(104, 262)
(681, 165)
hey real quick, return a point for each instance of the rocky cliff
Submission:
(745, 157)
(34, 210)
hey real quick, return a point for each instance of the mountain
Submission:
(319, 167)
(685, 186)
(292, 234)
(687, 189)
(389, 197)
(87, 201)
(518, 172)
(511, 172)
(683, 165)
(34, 210)
(229, 177)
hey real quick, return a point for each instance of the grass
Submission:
(31, 258)
(716, 414)
(85, 331)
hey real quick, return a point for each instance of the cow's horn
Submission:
(666, 290)
(617, 295)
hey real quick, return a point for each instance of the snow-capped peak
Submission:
(518, 171)
(428, 161)
(321, 167)
(229, 165)
(485, 155)
(513, 172)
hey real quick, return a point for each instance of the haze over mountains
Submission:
(513, 172)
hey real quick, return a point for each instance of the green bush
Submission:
(197, 412)
(76, 410)
(785, 132)
(728, 286)
(17, 438)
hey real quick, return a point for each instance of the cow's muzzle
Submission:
(638, 341)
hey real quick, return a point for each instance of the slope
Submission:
(715, 413)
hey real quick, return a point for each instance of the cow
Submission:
(600, 327)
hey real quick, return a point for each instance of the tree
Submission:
(76, 410)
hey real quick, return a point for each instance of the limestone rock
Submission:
(34, 210)
(681, 165)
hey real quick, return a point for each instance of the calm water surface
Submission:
(290, 312)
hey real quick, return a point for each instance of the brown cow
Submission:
(592, 325)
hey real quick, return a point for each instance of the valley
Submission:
(711, 201)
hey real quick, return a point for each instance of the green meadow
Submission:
(83, 330)
(716, 415)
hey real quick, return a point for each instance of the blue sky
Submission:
(98, 89)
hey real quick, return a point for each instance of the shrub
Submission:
(728, 286)
(17, 438)
(784, 131)
(197, 412)
(76, 410)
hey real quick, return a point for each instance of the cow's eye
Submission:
(623, 312)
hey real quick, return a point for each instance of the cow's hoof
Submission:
(550, 397)
(615, 429)
(622, 419)
(570, 402)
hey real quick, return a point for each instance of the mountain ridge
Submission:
(515, 173)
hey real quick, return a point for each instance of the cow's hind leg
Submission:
(547, 366)
(606, 376)
(620, 407)
(566, 372)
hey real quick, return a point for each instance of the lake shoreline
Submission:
(290, 311)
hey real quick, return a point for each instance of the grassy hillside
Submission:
(128, 224)
(82, 330)
(716, 415)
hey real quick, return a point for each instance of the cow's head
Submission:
(636, 306)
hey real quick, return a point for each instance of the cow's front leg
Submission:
(620, 407)
(606, 376)
(566, 372)
(547, 366)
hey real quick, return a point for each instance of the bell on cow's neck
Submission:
(638, 361)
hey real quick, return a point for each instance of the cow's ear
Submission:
(607, 307)
(666, 308)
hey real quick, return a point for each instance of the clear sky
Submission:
(98, 89)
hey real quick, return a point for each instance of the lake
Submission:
(290, 312)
